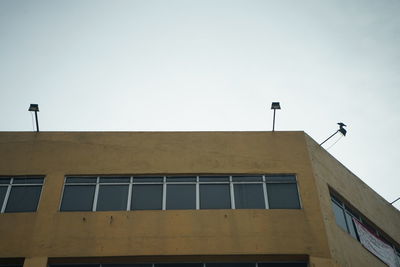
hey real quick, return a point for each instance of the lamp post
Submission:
(342, 130)
(35, 108)
(274, 106)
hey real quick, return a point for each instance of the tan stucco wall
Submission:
(345, 250)
(50, 233)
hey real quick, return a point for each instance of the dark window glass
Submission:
(128, 265)
(148, 179)
(247, 178)
(281, 178)
(25, 180)
(236, 264)
(115, 179)
(78, 198)
(23, 198)
(249, 196)
(283, 196)
(181, 179)
(215, 196)
(112, 197)
(178, 265)
(181, 196)
(214, 178)
(74, 265)
(339, 216)
(3, 191)
(351, 225)
(283, 264)
(81, 180)
(5, 180)
(147, 197)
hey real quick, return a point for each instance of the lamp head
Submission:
(342, 130)
(275, 105)
(33, 107)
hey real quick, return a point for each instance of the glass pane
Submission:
(210, 178)
(74, 265)
(128, 265)
(249, 196)
(3, 191)
(27, 180)
(81, 180)
(339, 215)
(247, 178)
(283, 196)
(215, 196)
(181, 179)
(351, 225)
(78, 198)
(147, 197)
(23, 198)
(115, 180)
(178, 265)
(281, 178)
(148, 179)
(112, 197)
(4, 180)
(236, 264)
(181, 196)
(283, 264)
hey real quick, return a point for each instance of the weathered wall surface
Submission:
(51, 233)
(345, 250)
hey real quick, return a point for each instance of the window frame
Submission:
(11, 184)
(165, 182)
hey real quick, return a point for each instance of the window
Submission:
(78, 194)
(20, 194)
(195, 264)
(282, 192)
(180, 192)
(346, 218)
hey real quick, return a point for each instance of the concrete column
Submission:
(35, 262)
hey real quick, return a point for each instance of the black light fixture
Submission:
(342, 130)
(35, 108)
(275, 106)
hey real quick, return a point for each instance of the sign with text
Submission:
(375, 245)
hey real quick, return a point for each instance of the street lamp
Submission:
(35, 108)
(342, 130)
(274, 106)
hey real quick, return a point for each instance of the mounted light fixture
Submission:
(275, 106)
(342, 130)
(35, 108)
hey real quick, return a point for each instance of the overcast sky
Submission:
(211, 65)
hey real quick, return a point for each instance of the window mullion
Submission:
(265, 193)
(232, 193)
(128, 205)
(164, 199)
(197, 194)
(3, 208)
(96, 194)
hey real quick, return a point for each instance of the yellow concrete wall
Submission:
(50, 233)
(345, 250)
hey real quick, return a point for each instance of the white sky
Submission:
(211, 65)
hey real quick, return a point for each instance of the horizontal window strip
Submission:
(180, 192)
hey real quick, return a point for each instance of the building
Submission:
(208, 199)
